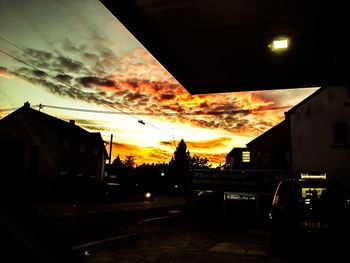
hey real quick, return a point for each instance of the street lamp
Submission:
(279, 44)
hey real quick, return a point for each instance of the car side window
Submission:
(286, 195)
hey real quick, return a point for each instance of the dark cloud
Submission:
(57, 88)
(132, 83)
(64, 78)
(134, 96)
(69, 64)
(89, 81)
(108, 58)
(90, 56)
(168, 96)
(67, 45)
(199, 112)
(174, 108)
(166, 143)
(39, 54)
(204, 105)
(4, 70)
(120, 93)
(224, 107)
(32, 78)
(39, 73)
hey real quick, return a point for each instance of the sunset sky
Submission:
(76, 54)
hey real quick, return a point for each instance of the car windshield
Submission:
(303, 191)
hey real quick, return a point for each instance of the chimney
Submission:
(72, 122)
(27, 105)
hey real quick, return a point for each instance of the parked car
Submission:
(305, 209)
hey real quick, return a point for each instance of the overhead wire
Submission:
(164, 113)
(29, 54)
(61, 81)
(70, 86)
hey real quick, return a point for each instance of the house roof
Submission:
(213, 46)
(290, 111)
(63, 127)
(235, 149)
(268, 132)
(307, 99)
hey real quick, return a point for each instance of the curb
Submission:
(102, 243)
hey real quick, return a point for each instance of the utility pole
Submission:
(110, 149)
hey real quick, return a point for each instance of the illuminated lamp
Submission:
(280, 44)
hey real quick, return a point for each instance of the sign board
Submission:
(234, 180)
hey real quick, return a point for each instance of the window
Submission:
(341, 133)
(246, 157)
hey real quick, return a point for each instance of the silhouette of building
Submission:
(238, 158)
(51, 147)
(271, 150)
(314, 137)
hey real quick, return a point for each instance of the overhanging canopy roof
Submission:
(222, 45)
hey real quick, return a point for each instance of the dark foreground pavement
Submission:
(166, 230)
(188, 239)
(82, 226)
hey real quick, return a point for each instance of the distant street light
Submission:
(280, 44)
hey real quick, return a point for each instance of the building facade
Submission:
(314, 137)
(271, 150)
(237, 159)
(320, 133)
(51, 147)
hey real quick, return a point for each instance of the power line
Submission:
(55, 78)
(163, 113)
(61, 81)
(29, 54)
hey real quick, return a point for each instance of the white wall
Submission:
(312, 135)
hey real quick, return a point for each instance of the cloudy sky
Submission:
(75, 54)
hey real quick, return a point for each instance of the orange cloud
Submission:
(142, 155)
(207, 144)
(5, 74)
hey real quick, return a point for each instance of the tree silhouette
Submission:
(116, 166)
(197, 162)
(129, 161)
(181, 162)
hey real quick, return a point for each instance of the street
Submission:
(166, 230)
(183, 239)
